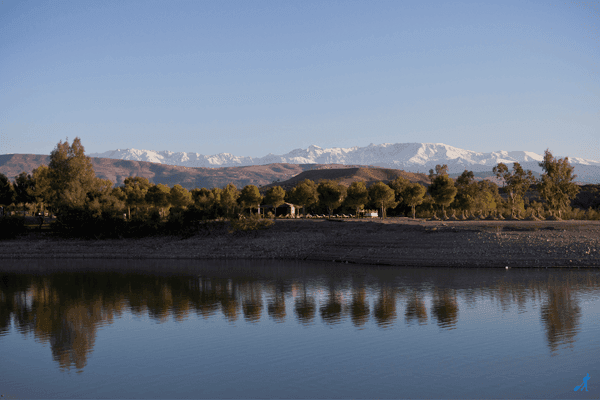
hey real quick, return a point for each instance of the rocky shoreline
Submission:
(394, 241)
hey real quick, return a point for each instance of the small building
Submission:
(284, 209)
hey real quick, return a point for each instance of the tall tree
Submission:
(467, 191)
(516, 183)
(7, 193)
(357, 196)
(413, 196)
(398, 185)
(158, 196)
(443, 191)
(275, 196)
(331, 194)
(24, 187)
(135, 189)
(71, 175)
(488, 199)
(250, 197)
(42, 185)
(229, 196)
(180, 197)
(305, 194)
(557, 185)
(383, 196)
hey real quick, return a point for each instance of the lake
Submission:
(257, 329)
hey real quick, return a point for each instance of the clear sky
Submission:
(258, 77)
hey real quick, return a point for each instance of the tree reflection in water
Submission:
(305, 306)
(560, 315)
(416, 311)
(66, 309)
(445, 308)
(385, 307)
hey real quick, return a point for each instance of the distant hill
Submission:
(190, 178)
(345, 176)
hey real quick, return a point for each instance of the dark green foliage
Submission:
(12, 226)
(442, 191)
(7, 193)
(331, 194)
(382, 196)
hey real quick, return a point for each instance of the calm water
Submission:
(187, 329)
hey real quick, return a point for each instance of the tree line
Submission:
(69, 188)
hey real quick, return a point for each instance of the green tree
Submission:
(331, 194)
(42, 186)
(250, 197)
(204, 199)
(180, 197)
(443, 191)
(135, 189)
(158, 195)
(275, 196)
(488, 199)
(467, 192)
(71, 175)
(24, 189)
(7, 193)
(517, 183)
(357, 196)
(398, 185)
(413, 195)
(305, 194)
(229, 196)
(383, 196)
(557, 186)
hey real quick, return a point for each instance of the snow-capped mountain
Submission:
(412, 157)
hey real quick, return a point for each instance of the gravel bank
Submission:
(395, 241)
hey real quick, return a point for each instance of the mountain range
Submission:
(410, 157)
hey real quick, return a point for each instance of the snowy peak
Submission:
(412, 157)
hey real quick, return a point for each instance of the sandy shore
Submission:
(395, 241)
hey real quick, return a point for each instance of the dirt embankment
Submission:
(395, 241)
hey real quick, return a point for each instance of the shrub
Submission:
(251, 223)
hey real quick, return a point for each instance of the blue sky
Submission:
(258, 77)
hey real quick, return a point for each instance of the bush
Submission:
(11, 227)
(251, 223)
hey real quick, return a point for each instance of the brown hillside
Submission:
(346, 176)
(190, 178)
